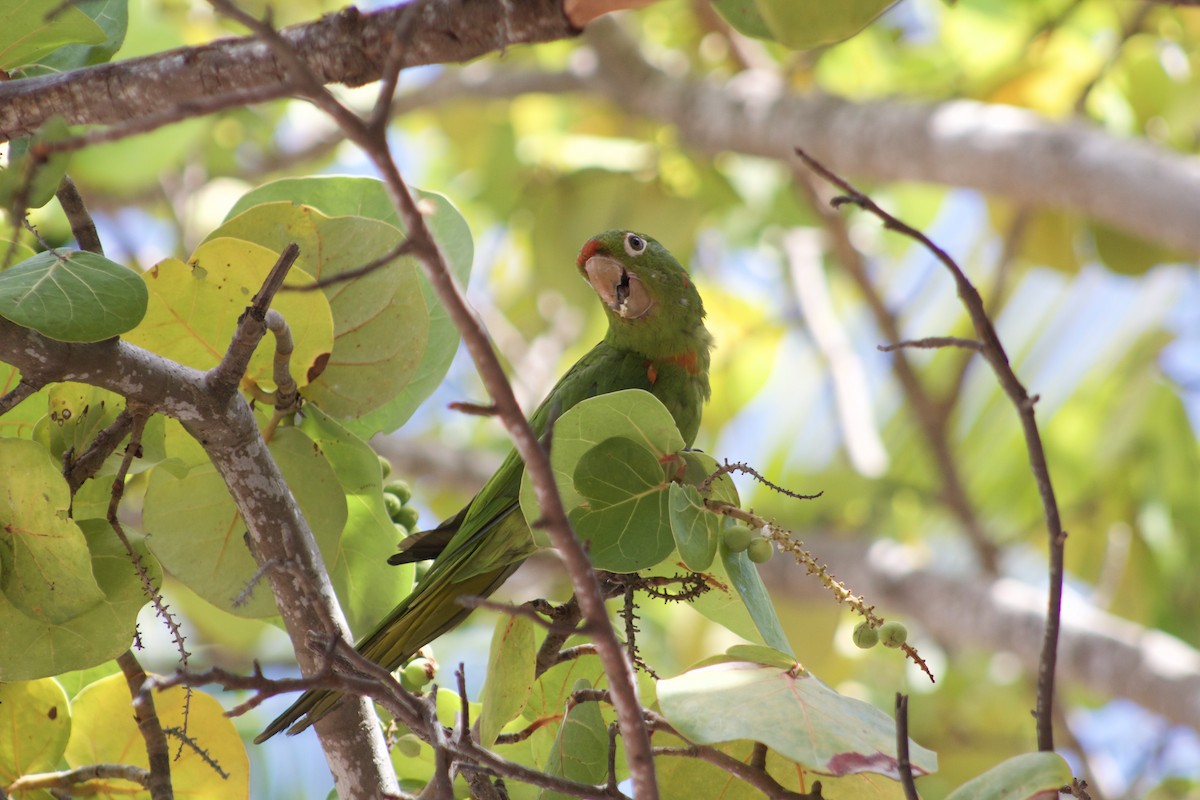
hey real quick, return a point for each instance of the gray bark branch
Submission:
(348, 47)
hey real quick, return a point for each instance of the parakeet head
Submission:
(651, 302)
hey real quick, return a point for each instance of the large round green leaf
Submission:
(36, 648)
(632, 413)
(45, 565)
(624, 517)
(196, 531)
(33, 28)
(72, 296)
(791, 712)
(345, 196)
(380, 320)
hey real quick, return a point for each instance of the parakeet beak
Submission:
(619, 289)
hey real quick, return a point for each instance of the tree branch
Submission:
(1136, 186)
(157, 754)
(348, 47)
(425, 249)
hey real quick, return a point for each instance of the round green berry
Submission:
(760, 551)
(415, 674)
(737, 538)
(393, 505)
(401, 531)
(407, 516)
(893, 634)
(385, 467)
(408, 746)
(399, 488)
(865, 636)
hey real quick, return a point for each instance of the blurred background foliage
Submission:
(1104, 328)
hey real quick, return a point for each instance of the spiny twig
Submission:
(996, 356)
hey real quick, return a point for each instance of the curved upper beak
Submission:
(619, 289)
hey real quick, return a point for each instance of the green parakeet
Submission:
(656, 341)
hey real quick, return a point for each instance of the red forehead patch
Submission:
(587, 252)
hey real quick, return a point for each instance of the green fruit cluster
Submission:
(737, 538)
(396, 499)
(892, 634)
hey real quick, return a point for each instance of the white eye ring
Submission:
(634, 244)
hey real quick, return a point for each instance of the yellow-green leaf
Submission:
(194, 309)
(380, 319)
(104, 731)
(509, 676)
(30, 29)
(196, 531)
(36, 719)
(45, 566)
(72, 296)
(36, 648)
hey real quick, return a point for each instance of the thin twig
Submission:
(67, 779)
(727, 468)
(78, 470)
(932, 343)
(756, 778)
(252, 326)
(526, 610)
(23, 389)
(903, 764)
(929, 413)
(401, 249)
(994, 352)
(287, 395)
(187, 741)
(159, 782)
(83, 227)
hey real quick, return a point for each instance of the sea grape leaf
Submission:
(509, 676)
(624, 518)
(366, 584)
(790, 711)
(634, 414)
(196, 530)
(194, 310)
(45, 565)
(72, 296)
(104, 731)
(31, 29)
(36, 719)
(102, 632)
(1029, 776)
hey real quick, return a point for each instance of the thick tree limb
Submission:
(1001, 150)
(1007, 152)
(348, 47)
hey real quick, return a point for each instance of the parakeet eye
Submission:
(634, 244)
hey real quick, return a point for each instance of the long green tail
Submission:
(424, 615)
